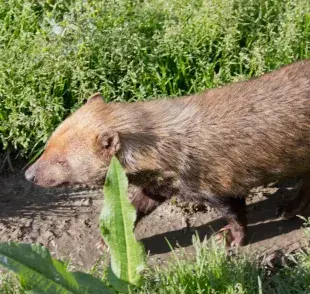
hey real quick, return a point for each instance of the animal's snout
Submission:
(30, 175)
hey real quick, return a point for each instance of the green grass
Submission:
(9, 284)
(56, 53)
(211, 271)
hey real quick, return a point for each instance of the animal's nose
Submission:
(30, 175)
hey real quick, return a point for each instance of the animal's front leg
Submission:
(143, 202)
(233, 209)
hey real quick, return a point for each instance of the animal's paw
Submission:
(231, 236)
(292, 208)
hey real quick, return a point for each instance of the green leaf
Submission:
(40, 273)
(117, 224)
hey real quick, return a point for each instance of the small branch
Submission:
(6, 159)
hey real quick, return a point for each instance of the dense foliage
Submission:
(55, 53)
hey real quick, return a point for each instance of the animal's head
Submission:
(79, 151)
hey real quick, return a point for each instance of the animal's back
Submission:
(259, 131)
(239, 136)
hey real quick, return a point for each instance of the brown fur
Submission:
(211, 147)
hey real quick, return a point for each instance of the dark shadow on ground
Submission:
(263, 224)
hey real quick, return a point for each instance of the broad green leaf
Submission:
(117, 224)
(40, 273)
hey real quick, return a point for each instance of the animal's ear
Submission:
(95, 97)
(108, 142)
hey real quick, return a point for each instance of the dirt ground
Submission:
(66, 221)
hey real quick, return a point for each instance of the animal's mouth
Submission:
(92, 185)
(62, 185)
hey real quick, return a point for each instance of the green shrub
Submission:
(55, 53)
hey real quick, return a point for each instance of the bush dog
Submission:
(209, 148)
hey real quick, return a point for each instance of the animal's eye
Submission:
(62, 162)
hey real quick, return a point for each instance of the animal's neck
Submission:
(139, 151)
(139, 138)
(153, 134)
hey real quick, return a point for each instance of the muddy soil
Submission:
(66, 221)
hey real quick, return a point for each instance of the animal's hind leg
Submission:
(233, 209)
(297, 205)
